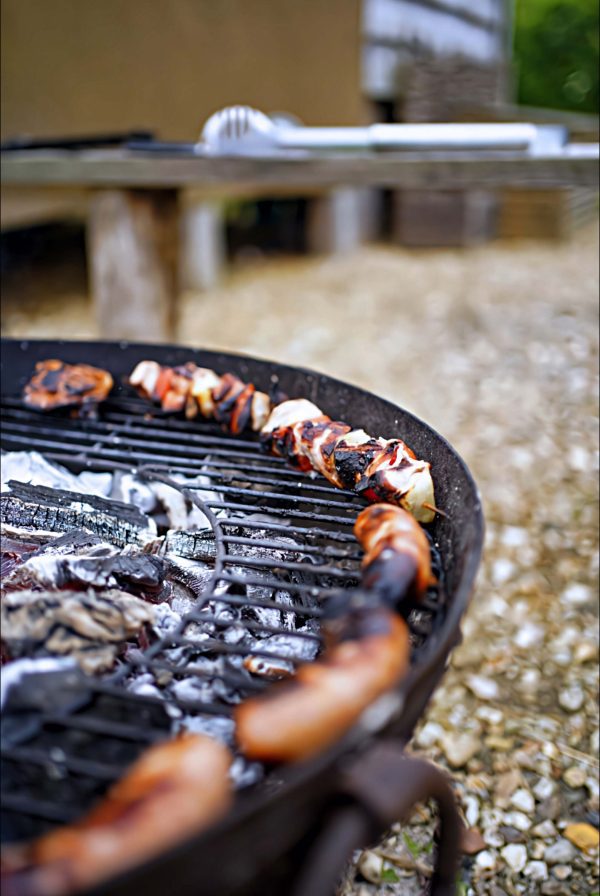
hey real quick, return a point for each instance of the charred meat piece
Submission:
(238, 406)
(175, 790)
(378, 469)
(297, 719)
(58, 385)
(297, 430)
(397, 562)
(89, 627)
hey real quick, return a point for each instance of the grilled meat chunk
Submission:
(175, 790)
(236, 405)
(58, 385)
(397, 561)
(296, 429)
(297, 719)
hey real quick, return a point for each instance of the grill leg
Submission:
(132, 248)
(381, 788)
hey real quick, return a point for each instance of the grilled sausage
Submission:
(397, 561)
(174, 790)
(297, 719)
(57, 385)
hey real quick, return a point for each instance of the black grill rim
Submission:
(314, 779)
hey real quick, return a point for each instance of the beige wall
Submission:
(77, 66)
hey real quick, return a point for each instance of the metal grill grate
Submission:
(260, 500)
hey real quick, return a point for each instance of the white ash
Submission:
(31, 467)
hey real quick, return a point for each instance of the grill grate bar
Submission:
(23, 805)
(313, 531)
(125, 435)
(288, 565)
(279, 511)
(255, 626)
(101, 726)
(74, 764)
(326, 550)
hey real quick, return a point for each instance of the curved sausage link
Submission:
(174, 790)
(299, 718)
(397, 561)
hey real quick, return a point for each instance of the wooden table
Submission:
(133, 218)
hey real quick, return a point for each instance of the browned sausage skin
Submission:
(297, 719)
(397, 561)
(174, 790)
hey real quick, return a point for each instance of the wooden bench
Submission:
(134, 208)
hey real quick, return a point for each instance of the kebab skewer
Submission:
(296, 429)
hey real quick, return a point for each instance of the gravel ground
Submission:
(497, 348)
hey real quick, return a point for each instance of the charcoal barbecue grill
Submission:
(293, 831)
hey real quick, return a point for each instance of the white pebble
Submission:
(517, 820)
(489, 714)
(529, 635)
(493, 838)
(536, 870)
(544, 829)
(523, 800)
(572, 698)
(502, 570)
(575, 777)
(515, 856)
(562, 872)
(429, 735)
(529, 681)
(459, 748)
(577, 594)
(483, 688)
(560, 853)
(371, 866)
(514, 536)
(486, 860)
(471, 807)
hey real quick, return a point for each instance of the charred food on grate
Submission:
(58, 385)
(376, 468)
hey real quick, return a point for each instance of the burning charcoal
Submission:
(129, 489)
(32, 468)
(13, 553)
(87, 626)
(244, 773)
(197, 545)
(220, 727)
(38, 507)
(266, 668)
(101, 567)
(16, 671)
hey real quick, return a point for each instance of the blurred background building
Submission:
(70, 68)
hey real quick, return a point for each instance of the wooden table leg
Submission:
(132, 250)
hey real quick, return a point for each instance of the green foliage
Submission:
(389, 876)
(556, 53)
